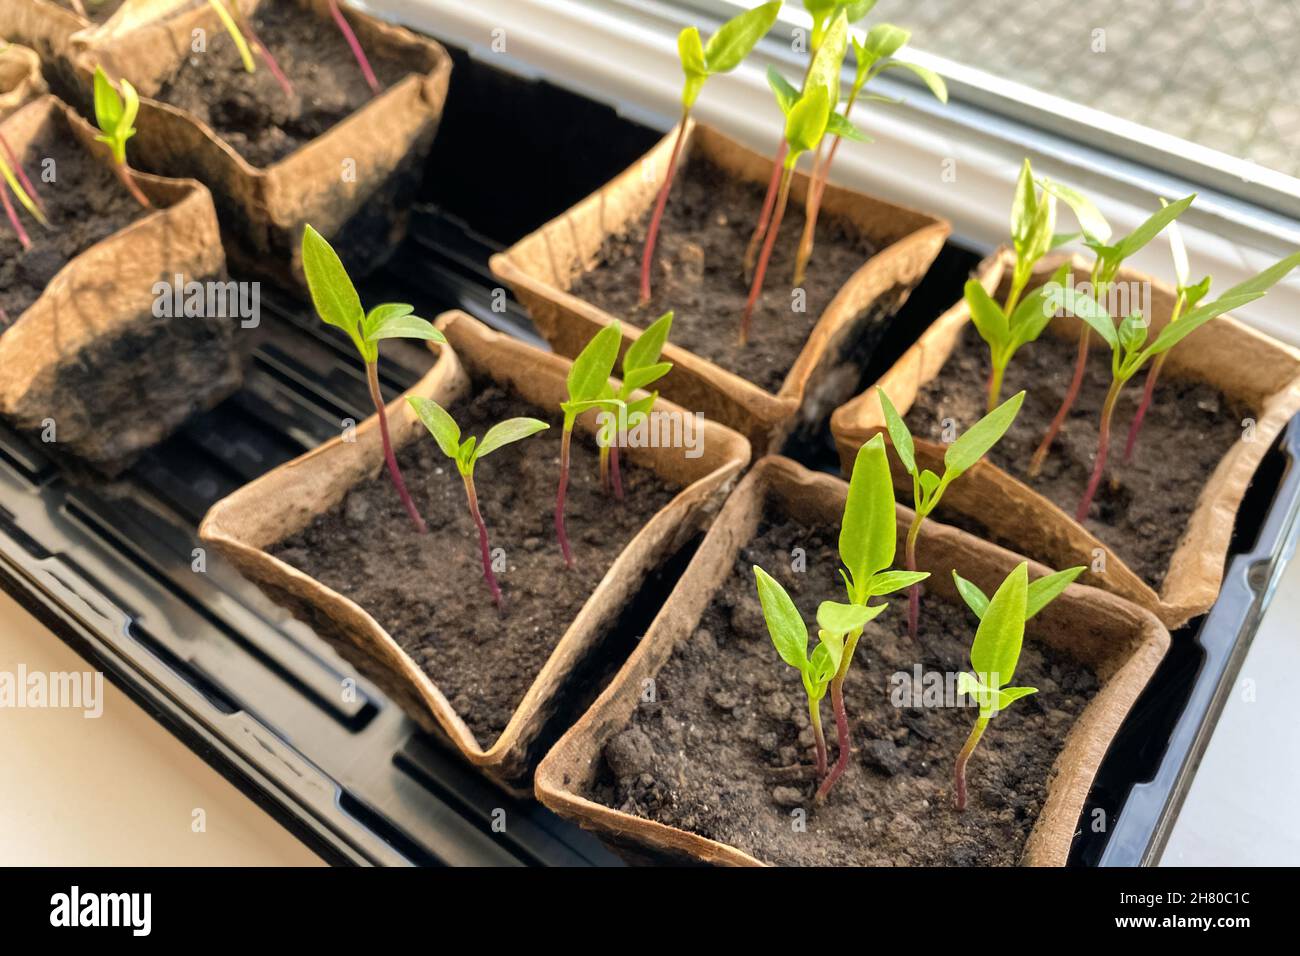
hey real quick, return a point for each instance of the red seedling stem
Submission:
(17, 167)
(1080, 365)
(841, 737)
(959, 771)
(769, 202)
(346, 29)
(124, 174)
(1153, 375)
(265, 51)
(756, 288)
(615, 475)
(483, 542)
(1103, 449)
(913, 592)
(559, 498)
(372, 378)
(656, 218)
(815, 715)
(14, 221)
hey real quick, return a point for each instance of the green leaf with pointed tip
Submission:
(1132, 332)
(1091, 221)
(1144, 233)
(1047, 588)
(899, 436)
(887, 582)
(986, 315)
(786, 94)
(1085, 307)
(784, 624)
(806, 123)
(1034, 312)
(589, 376)
(405, 327)
(884, 40)
(736, 38)
(108, 104)
(649, 344)
(996, 649)
(868, 532)
(828, 62)
(691, 52)
(837, 125)
(466, 454)
(641, 377)
(840, 618)
(508, 431)
(382, 313)
(1195, 293)
(824, 662)
(980, 437)
(932, 80)
(856, 10)
(441, 425)
(641, 407)
(970, 592)
(1024, 207)
(929, 483)
(332, 292)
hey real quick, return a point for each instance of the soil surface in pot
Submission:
(92, 11)
(251, 112)
(87, 204)
(698, 273)
(727, 750)
(428, 591)
(1142, 507)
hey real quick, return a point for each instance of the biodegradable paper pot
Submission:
(89, 354)
(543, 266)
(20, 77)
(263, 209)
(252, 520)
(1119, 641)
(1250, 368)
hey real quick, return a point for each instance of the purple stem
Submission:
(614, 473)
(760, 272)
(652, 234)
(22, 176)
(14, 221)
(357, 52)
(372, 377)
(842, 738)
(483, 542)
(559, 498)
(1153, 375)
(265, 50)
(769, 200)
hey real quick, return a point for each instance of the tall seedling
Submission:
(641, 368)
(338, 304)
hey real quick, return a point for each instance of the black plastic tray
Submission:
(110, 566)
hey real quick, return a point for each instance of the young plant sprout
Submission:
(641, 368)
(1186, 297)
(355, 46)
(868, 542)
(1106, 264)
(994, 655)
(927, 487)
(465, 454)
(114, 114)
(588, 385)
(1041, 592)
(723, 53)
(1130, 350)
(16, 182)
(871, 58)
(806, 120)
(237, 26)
(338, 304)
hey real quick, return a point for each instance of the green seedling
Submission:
(994, 656)
(588, 386)
(641, 368)
(872, 57)
(114, 115)
(338, 304)
(1041, 593)
(1187, 295)
(465, 454)
(725, 51)
(1016, 322)
(806, 121)
(1109, 256)
(927, 487)
(1130, 349)
(867, 544)
(238, 26)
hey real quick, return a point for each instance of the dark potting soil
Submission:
(96, 11)
(698, 272)
(1141, 508)
(428, 591)
(87, 204)
(250, 111)
(727, 750)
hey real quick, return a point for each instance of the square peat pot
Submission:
(252, 526)
(20, 77)
(87, 357)
(734, 726)
(1159, 530)
(880, 252)
(352, 178)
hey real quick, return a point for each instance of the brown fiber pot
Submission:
(263, 209)
(1250, 368)
(542, 267)
(89, 354)
(20, 77)
(259, 515)
(1121, 642)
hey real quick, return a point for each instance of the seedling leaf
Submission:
(591, 370)
(868, 532)
(735, 38)
(649, 344)
(440, 424)
(509, 431)
(840, 618)
(784, 624)
(1001, 631)
(971, 446)
(899, 436)
(332, 292)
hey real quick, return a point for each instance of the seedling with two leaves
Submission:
(115, 114)
(465, 454)
(338, 304)
(1131, 350)
(641, 368)
(725, 51)
(867, 544)
(928, 487)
